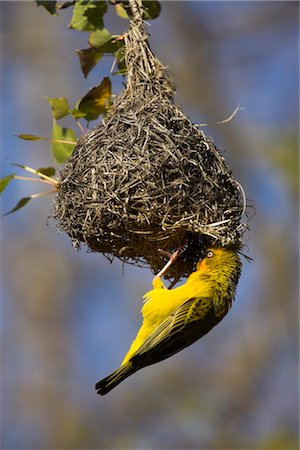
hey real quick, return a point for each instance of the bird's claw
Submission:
(172, 258)
(165, 253)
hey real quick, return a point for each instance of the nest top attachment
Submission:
(146, 178)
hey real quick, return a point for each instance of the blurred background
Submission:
(68, 317)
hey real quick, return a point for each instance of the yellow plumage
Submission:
(174, 319)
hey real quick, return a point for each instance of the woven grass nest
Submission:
(146, 179)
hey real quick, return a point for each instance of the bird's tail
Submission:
(112, 380)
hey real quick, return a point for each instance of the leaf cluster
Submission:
(87, 16)
(43, 175)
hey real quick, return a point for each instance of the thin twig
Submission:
(221, 122)
(62, 141)
(38, 180)
(40, 194)
(83, 130)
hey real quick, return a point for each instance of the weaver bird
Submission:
(174, 319)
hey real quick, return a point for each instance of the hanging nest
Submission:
(146, 179)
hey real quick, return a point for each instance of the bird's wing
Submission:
(191, 320)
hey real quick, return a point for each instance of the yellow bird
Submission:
(174, 319)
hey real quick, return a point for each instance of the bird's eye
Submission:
(209, 254)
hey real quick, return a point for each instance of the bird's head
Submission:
(220, 260)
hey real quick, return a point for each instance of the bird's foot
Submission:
(172, 258)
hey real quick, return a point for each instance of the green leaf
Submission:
(152, 9)
(22, 166)
(95, 102)
(5, 181)
(88, 58)
(76, 113)
(19, 205)
(121, 11)
(99, 37)
(65, 5)
(31, 137)
(104, 42)
(49, 171)
(95, 14)
(59, 106)
(49, 5)
(88, 15)
(62, 151)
